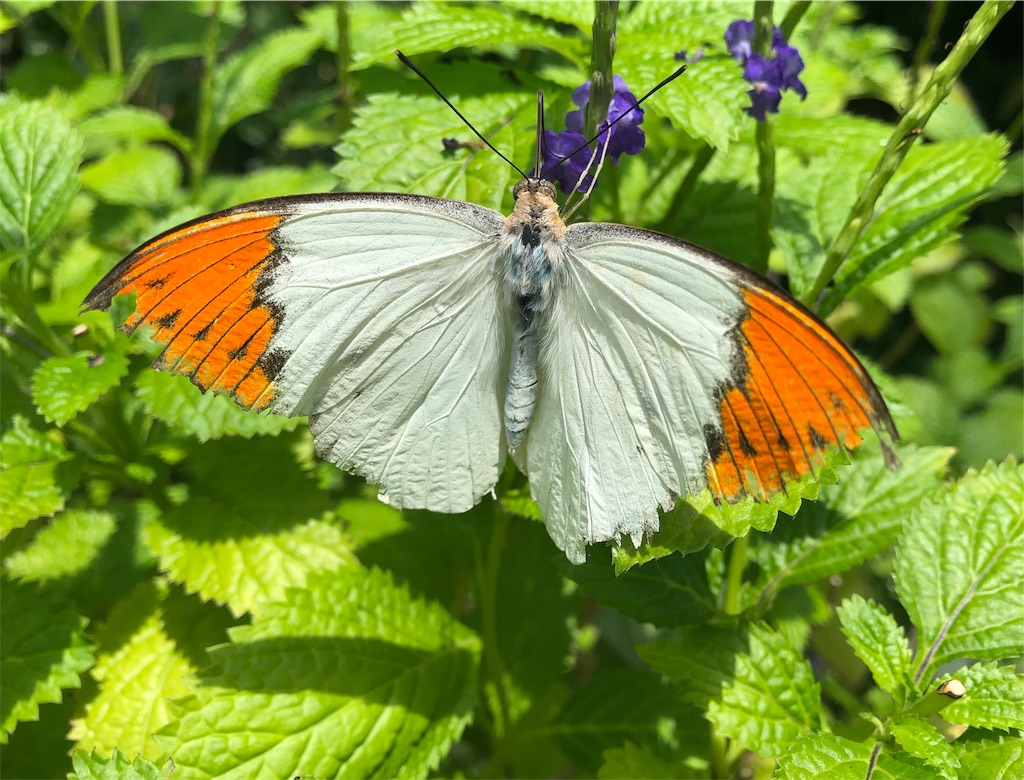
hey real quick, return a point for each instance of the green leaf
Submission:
(826, 755)
(104, 132)
(152, 642)
(349, 677)
(65, 547)
(89, 766)
(64, 386)
(987, 758)
(758, 690)
(617, 706)
(441, 27)
(221, 192)
(28, 485)
(247, 82)
(42, 652)
(672, 591)
(175, 401)
(146, 176)
(920, 739)
(920, 209)
(958, 567)
(633, 761)
(579, 13)
(994, 698)
(879, 642)
(952, 316)
(253, 525)
(852, 521)
(395, 143)
(39, 156)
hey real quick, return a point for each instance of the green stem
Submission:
(926, 45)
(113, 29)
(765, 143)
(488, 571)
(700, 161)
(938, 88)
(734, 575)
(343, 64)
(793, 16)
(602, 55)
(203, 149)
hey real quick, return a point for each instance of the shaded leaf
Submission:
(990, 757)
(758, 690)
(920, 739)
(65, 547)
(128, 124)
(28, 475)
(253, 525)
(147, 176)
(826, 755)
(958, 567)
(349, 676)
(64, 386)
(41, 653)
(631, 760)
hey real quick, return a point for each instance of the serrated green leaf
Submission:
(990, 757)
(697, 521)
(958, 567)
(851, 522)
(28, 475)
(39, 156)
(175, 401)
(617, 706)
(826, 755)
(920, 209)
(247, 82)
(758, 690)
(64, 548)
(430, 27)
(671, 591)
(42, 652)
(348, 677)
(64, 386)
(146, 176)
(253, 525)
(153, 640)
(128, 124)
(879, 642)
(631, 760)
(994, 698)
(89, 766)
(579, 13)
(395, 143)
(920, 739)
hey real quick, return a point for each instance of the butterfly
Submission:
(427, 340)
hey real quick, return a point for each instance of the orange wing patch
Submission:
(802, 392)
(198, 286)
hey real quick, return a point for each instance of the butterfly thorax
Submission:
(533, 251)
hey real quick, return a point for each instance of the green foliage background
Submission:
(184, 580)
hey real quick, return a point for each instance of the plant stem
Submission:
(343, 64)
(765, 142)
(602, 55)
(793, 16)
(938, 88)
(202, 151)
(734, 575)
(926, 45)
(113, 29)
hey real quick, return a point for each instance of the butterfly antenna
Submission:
(679, 72)
(408, 63)
(597, 172)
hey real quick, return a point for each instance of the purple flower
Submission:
(769, 77)
(562, 169)
(681, 56)
(626, 137)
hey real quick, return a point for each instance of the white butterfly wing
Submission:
(379, 316)
(667, 370)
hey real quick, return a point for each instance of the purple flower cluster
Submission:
(626, 137)
(769, 76)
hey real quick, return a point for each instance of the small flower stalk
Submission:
(768, 77)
